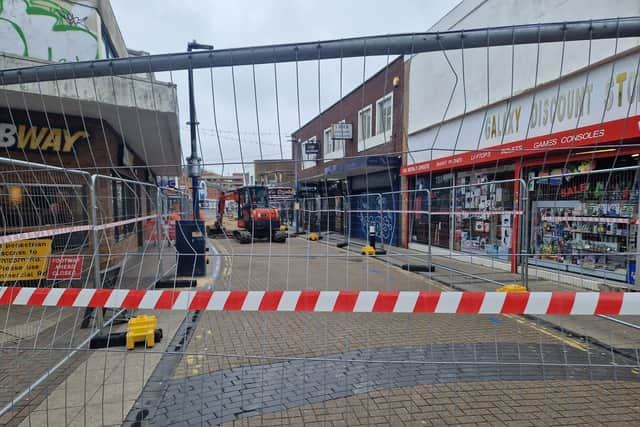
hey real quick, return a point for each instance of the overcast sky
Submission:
(166, 26)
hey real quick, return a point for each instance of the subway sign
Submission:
(34, 138)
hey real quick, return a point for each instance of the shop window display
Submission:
(440, 206)
(484, 233)
(585, 224)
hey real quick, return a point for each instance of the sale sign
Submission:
(65, 267)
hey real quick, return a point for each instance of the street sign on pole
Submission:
(342, 131)
(311, 148)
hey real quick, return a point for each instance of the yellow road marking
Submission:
(565, 340)
(226, 271)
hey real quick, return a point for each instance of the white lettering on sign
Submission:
(481, 155)
(342, 130)
(39, 139)
(579, 107)
(546, 144)
(598, 133)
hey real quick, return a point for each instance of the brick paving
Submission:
(358, 368)
(234, 360)
(483, 403)
(309, 334)
(456, 273)
(241, 392)
(42, 342)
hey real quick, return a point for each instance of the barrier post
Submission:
(526, 230)
(159, 216)
(372, 235)
(97, 281)
(452, 220)
(429, 252)
(637, 248)
(381, 222)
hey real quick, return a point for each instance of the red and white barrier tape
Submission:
(563, 303)
(43, 233)
(74, 229)
(125, 222)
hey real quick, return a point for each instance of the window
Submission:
(384, 114)
(124, 207)
(308, 160)
(364, 124)
(333, 148)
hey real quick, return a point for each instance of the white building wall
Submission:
(442, 87)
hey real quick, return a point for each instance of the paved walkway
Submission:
(463, 276)
(230, 394)
(364, 369)
(248, 368)
(46, 336)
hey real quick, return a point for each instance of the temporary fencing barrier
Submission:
(306, 332)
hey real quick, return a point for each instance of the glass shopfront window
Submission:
(483, 224)
(469, 219)
(585, 224)
(440, 207)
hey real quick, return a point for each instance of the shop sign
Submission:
(342, 131)
(36, 138)
(168, 181)
(590, 135)
(280, 193)
(310, 188)
(202, 193)
(24, 260)
(311, 148)
(592, 107)
(65, 267)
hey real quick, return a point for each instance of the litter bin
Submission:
(191, 248)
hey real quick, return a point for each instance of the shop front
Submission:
(45, 186)
(352, 195)
(371, 197)
(585, 222)
(471, 211)
(582, 131)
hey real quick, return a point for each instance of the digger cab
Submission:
(255, 214)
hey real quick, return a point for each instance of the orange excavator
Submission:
(256, 219)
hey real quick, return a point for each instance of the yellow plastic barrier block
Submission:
(141, 329)
(314, 236)
(512, 288)
(368, 250)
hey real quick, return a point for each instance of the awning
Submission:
(152, 134)
(361, 166)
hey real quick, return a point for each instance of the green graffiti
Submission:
(64, 21)
(18, 30)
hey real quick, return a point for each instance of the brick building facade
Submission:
(345, 171)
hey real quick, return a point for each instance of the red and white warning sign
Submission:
(65, 267)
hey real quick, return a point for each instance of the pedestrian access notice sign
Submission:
(65, 267)
(24, 260)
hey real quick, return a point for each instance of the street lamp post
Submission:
(194, 163)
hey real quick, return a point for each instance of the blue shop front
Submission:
(363, 191)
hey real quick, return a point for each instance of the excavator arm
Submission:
(224, 197)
